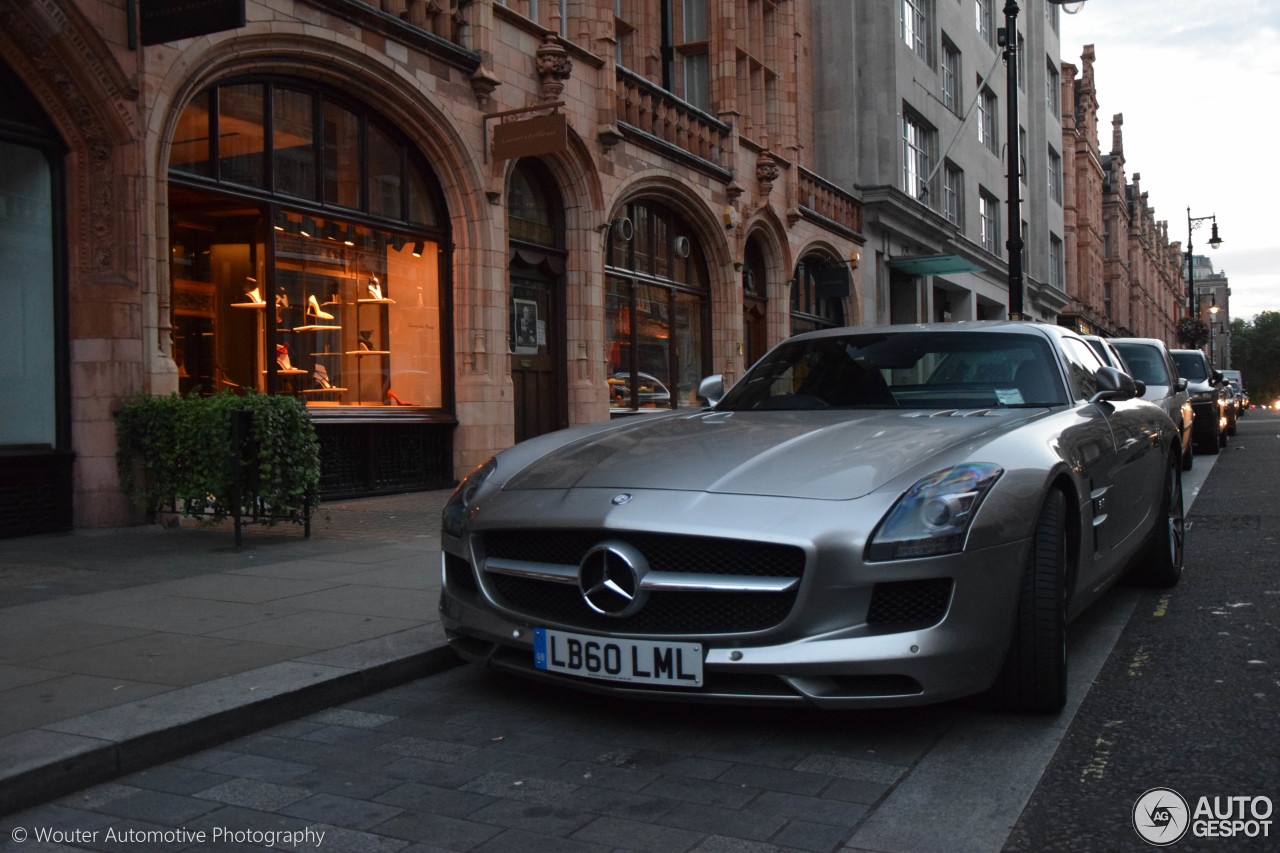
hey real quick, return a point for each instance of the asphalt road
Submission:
(1189, 699)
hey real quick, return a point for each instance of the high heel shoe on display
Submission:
(282, 357)
(375, 290)
(254, 297)
(322, 377)
(391, 395)
(314, 310)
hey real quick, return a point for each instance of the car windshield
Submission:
(1191, 365)
(1145, 363)
(902, 370)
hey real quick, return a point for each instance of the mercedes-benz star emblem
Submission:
(610, 578)
(619, 500)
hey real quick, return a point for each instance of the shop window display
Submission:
(274, 288)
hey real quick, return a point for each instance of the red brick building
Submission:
(344, 201)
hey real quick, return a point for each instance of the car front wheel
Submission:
(1034, 677)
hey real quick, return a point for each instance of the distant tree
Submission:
(1255, 352)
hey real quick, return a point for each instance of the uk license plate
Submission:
(642, 661)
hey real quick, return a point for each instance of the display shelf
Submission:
(329, 390)
(248, 305)
(291, 371)
(368, 352)
(315, 328)
(382, 301)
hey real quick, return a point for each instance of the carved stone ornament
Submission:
(554, 67)
(483, 84)
(766, 172)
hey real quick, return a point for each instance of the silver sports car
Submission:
(869, 517)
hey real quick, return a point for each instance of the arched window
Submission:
(306, 258)
(656, 309)
(754, 304)
(818, 286)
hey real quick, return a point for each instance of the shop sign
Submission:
(530, 137)
(831, 282)
(170, 20)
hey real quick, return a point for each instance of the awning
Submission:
(933, 265)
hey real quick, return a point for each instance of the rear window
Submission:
(1146, 363)
(1191, 365)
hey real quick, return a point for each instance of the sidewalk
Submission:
(121, 648)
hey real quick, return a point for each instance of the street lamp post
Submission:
(1008, 38)
(1193, 222)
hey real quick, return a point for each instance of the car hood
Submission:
(833, 455)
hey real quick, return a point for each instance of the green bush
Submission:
(178, 450)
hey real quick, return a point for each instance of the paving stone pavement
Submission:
(122, 647)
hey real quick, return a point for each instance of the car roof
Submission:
(996, 326)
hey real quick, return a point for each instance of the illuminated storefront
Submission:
(305, 259)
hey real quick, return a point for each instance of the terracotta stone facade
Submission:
(736, 172)
(1123, 274)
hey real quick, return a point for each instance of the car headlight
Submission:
(1203, 397)
(460, 503)
(933, 516)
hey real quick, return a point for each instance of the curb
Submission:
(59, 758)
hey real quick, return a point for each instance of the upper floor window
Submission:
(667, 43)
(914, 26)
(1055, 176)
(917, 155)
(953, 194)
(1053, 90)
(1056, 272)
(989, 213)
(952, 97)
(987, 108)
(985, 21)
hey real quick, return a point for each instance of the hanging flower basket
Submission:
(1192, 333)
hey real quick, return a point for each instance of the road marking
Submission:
(1139, 658)
(1097, 766)
(1162, 606)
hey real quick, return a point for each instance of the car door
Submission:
(1126, 486)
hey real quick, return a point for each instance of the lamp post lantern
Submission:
(1215, 241)
(1008, 39)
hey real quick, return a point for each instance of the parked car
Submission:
(870, 516)
(1236, 379)
(1106, 351)
(1208, 399)
(1150, 363)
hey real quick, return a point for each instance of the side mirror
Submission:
(711, 388)
(1181, 384)
(1114, 384)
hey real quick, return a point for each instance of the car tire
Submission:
(1188, 455)
(1160, 564)
(1222, 438)
(1214, 443)
(1034, 676)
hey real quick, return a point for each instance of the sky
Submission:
(1198, 82)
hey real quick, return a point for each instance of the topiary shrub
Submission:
(177, 452)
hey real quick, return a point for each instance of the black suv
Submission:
(1210, 399)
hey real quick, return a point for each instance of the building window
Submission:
(305, 251)
(989, 214)
(758, 48)
(952, 97)
(917, 156)
(694, 56)
(985, 21)
(656, 310)
(1022, 62)
(816, 298)
(1053, 91)
(987, 108)
(1022, 154)
(953, 194)
(1051, 15)
(914, 26)
(1056, 272)
(1055, 176)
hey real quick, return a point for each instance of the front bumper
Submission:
(833, 648)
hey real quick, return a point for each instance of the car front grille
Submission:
(665, 612)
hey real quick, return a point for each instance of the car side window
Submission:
(1083, 364)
